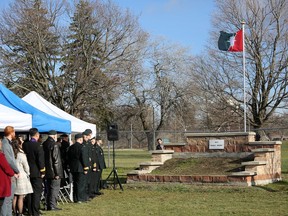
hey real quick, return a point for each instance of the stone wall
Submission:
(192, 179)
(264, 169)
(268, 156)
(199, 142)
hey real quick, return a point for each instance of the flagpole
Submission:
(244, 74)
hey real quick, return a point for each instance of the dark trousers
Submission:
(53, 187)
(1, 202)
(97, 181)
(33, 200)
(88, 182)
(79, 187)
(92, 187)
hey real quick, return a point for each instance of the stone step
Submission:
(254, 163)
(174, 144)
(265, 143)
(151, 163)
(162, 155)
(262, 150)
(243, 173)
(162, 152)
(138, 172)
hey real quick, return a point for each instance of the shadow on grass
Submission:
(237, 169)
(244, 159)
(122, 179)
(275, 187)
(267, 188)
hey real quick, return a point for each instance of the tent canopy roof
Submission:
(77, 125)
(20, 121)
(40, 120)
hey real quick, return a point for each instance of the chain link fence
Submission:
(138, 139)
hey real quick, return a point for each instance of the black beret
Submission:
(89, 131)
(77, 136)
(85, 133)
(64, 135)
(52, 132)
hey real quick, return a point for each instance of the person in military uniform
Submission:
(54, 170)
(100, 164)
(63, 149)
(35, 157)
(88, 151)
(65, 143)
(93, 176)
(79, 166)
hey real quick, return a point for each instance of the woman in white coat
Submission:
(23, 184)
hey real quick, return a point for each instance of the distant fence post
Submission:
(131, 135)
(109, 154)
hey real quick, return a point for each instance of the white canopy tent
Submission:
(77, 125)
(20, 121)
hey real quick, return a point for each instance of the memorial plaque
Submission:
(216, 144)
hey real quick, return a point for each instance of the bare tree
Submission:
(79, 70)
(266, 41)
(156, 86)
(101, 38)
(217, 110)
(30, 47)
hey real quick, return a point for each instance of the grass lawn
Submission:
(182, 199)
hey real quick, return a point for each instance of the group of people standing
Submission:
(31, 167)
(86, 162)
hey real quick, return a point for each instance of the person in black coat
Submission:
(159, 145)
(54, 170)
(79, 167)
(88, 151)
(35, 157)
(64, 148)
(100, 164)
(93, 175)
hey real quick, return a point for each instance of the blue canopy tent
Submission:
(40, 120)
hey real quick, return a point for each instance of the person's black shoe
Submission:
(99, 193)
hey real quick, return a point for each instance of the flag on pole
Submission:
(232, 42)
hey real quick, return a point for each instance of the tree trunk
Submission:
(150, 139)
